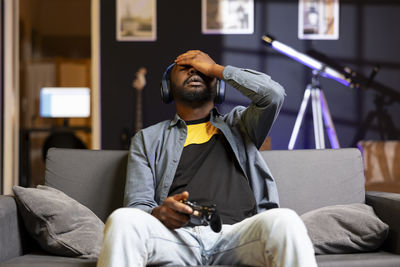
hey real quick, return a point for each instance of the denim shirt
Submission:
(155, 151)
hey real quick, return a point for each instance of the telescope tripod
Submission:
(386, 127)
(320, 110)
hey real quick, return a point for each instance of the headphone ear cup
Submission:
(166, 97)
(165, 91)
(220, 95)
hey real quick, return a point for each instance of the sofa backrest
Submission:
(306, 179)
(311, 179)
(95, 178)
(13, 237)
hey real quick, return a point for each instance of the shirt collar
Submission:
(215, 113)
(177, 119)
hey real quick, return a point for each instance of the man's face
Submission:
(191, 86)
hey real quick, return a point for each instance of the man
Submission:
(205, 157)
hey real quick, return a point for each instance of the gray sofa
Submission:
(307, 180)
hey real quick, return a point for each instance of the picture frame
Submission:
(136, 20)
(318, 19)
(227, 16)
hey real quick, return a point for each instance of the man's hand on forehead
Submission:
(201, 62)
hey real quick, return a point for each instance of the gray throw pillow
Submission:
(60, 224)
(345, 229)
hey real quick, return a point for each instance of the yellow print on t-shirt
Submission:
(200, 133)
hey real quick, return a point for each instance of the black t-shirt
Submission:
(209, 171)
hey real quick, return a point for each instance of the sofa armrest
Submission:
(12, 231)
(387, 207)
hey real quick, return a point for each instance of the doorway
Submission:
(55, 51)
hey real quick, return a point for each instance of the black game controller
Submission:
(204, 215)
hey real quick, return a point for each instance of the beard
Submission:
(196, 94)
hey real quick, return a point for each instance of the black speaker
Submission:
(62, 140)
(166, 94)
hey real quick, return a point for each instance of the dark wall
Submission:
(368, 36)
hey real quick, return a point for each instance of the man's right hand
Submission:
(172, 213)
(201, 62)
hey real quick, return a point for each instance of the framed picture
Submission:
(227, 16)
(136, 20)
(319, 19)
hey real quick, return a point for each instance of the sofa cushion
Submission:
(371, 259)
(43, 260)
(86, 174)
(60, 224)
(345, 229)
(310, 179)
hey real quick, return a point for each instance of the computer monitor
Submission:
(65, 102)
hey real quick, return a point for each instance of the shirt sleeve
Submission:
(140, 183)
(266, 98)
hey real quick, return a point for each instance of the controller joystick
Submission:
(204, 215)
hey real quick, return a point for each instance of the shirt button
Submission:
(175, 160)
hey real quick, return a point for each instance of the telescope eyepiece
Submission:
(268, 39)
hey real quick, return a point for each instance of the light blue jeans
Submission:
(275, 237)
